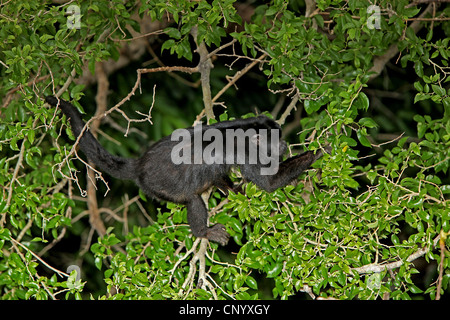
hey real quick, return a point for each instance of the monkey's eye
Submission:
(256, 139)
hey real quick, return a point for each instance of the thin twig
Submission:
(238, 75)
(59, 272)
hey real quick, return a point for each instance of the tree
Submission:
(370, 80)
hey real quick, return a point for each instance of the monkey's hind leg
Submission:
(197, 216)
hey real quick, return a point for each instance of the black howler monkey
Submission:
(161, 176)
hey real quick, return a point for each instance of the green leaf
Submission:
(169, 44)
(371, 175)
(173, 33)
(30, 135)
(418, 67)
(438, 90)
(272, 10)
(362, 102)
(98, 263)
(414, 289)
(5, 234)
(140, 279)
(91, 66)
(368, 122)
(418, 86)
(363, 139)
(235, 224)
(312, 106)
(424, 215)
(395, 240)
(319, 19)
(275, 270)
(251, 282)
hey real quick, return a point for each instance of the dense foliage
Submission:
(369, 221)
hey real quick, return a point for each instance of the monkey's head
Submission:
(266, 146)
(269, 137)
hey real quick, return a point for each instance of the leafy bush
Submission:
(369, 221)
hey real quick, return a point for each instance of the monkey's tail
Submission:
(117, 167)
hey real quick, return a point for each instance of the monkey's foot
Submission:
(218, 233)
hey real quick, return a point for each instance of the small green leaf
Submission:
(98, 263)
(438, 90)
(311, 106)
(319, 20)
(169, 44)
(371, 175)
(395, 240)
(418, 67)
(414, 289)
(363, 139)
(275, 270)
(251, 282)
(424, 215)
(418, 86)
(368, 122)
(139, 279)
(30, 135)
(173, 33)
(362, 102)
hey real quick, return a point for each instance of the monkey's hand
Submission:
(320, 153)
(328, 149)
(218, 233)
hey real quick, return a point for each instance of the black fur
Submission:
(157, 175)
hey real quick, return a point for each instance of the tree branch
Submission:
(376, 267)
(102, 93)
(238, 75)
(204, 67)
(288, 110)
(441, 263)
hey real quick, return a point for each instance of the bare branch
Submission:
(101, 98)
(238, 75)
(288, 110)
(379, 267)
(60, 273)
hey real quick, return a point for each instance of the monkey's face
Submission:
(268, 140)
(268, 137)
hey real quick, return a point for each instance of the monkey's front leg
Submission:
(197, 216)
(288, 170)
